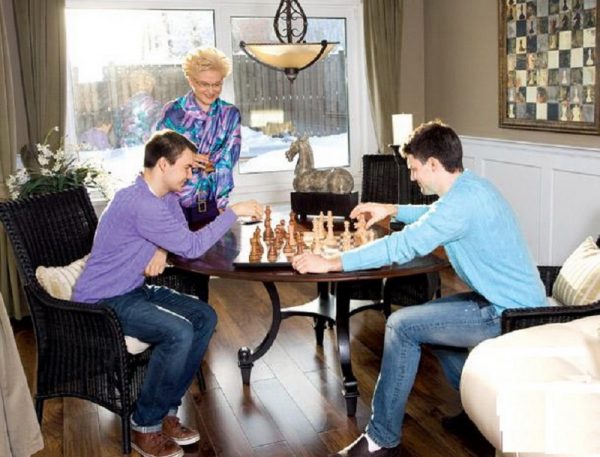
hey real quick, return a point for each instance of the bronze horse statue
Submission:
(309, 179)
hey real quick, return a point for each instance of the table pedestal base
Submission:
(326, 309)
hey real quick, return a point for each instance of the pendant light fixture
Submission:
(292, 54)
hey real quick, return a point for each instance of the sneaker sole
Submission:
(186, 441)
(179, 453)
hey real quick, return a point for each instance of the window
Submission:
(274, 111)
(124, 65)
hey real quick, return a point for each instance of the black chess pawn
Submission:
(510, 16)
(531, 30)
(565, 7)
(577, 22)
(577, 5)
(522, 15)
(565, 23)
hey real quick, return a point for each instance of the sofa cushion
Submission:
(578, 282)
(58, 282)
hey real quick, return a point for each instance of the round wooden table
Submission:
(326, 308)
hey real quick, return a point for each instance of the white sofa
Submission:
(536, 392)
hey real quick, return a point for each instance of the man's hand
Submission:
(249, 208)
(202, 161)
(374, 212)
(157, 263)
(313, 263)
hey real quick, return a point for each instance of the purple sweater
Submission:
(133, 226)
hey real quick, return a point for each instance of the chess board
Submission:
(244, 260)
(550, 62)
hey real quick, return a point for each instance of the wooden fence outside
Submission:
(316, 103)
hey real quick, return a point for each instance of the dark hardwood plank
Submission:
(294, 405)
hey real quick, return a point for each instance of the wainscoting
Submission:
(555, 190)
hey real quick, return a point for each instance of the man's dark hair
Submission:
(436, 139)
(168, 144)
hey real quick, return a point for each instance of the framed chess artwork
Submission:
(549, 62)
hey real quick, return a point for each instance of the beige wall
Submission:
(461, 72)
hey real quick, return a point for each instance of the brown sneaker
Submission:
(155, 444)
(179, 432)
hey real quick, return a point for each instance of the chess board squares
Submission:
(552, 111)
(564, 39)
(532, 43)
(589, 76)
(552, 59)
(589, 37)
(520, 78)
(511, 62)
(531, 96)
(589, 15)
(542, 42)
(542, 8)
(564, 58)
(521, 45)
(541, 111)
(577, 57)
(553, 6)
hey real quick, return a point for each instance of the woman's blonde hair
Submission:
(206, 58)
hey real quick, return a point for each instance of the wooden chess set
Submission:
(275, 246)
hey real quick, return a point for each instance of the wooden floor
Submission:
(293, 406)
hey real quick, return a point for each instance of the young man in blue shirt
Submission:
(487, 250)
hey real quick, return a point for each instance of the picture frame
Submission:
(549, 65)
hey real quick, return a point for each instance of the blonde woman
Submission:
(213, 125)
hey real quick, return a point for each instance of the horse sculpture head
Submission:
(296, 147)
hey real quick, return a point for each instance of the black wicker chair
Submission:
(81, 349)
(515, 319)
(387, 180)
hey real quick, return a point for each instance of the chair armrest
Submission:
(519, 318)
(548, 274)
(58, 322)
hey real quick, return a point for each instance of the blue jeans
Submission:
(179, 328)
(452, 325)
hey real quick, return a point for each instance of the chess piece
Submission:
(330, 240)
(299, 243)
(521, 48)
(576, 99)
(346, 237)
(565, 23)
(316, 246)
(268, 233)
(360, 235)
(256, 250)
(563, 110)
(288, 249)
(272, 254)
(531, 29)
(589, 60)
(577, 21)
(576, 112)
(565, 7)
(511, 111)
(564, 81)
(588, 97)
(522, 15)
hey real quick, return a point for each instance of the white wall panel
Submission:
(555, 190)
(520, 185)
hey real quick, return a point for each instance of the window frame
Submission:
(275, 186)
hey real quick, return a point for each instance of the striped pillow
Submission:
(578, 282)
(59, 283)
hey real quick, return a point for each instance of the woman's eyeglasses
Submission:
(206, 86)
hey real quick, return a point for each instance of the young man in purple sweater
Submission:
(141, 224)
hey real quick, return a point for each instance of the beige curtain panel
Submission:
(41, 55)
(383, 44)
(9, 281)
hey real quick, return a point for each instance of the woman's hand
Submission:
(202, 161)
(313, 263)
(157, 263)
(249, 208)
(373, 212)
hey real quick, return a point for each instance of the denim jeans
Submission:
(179, 328)
(452, 325)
